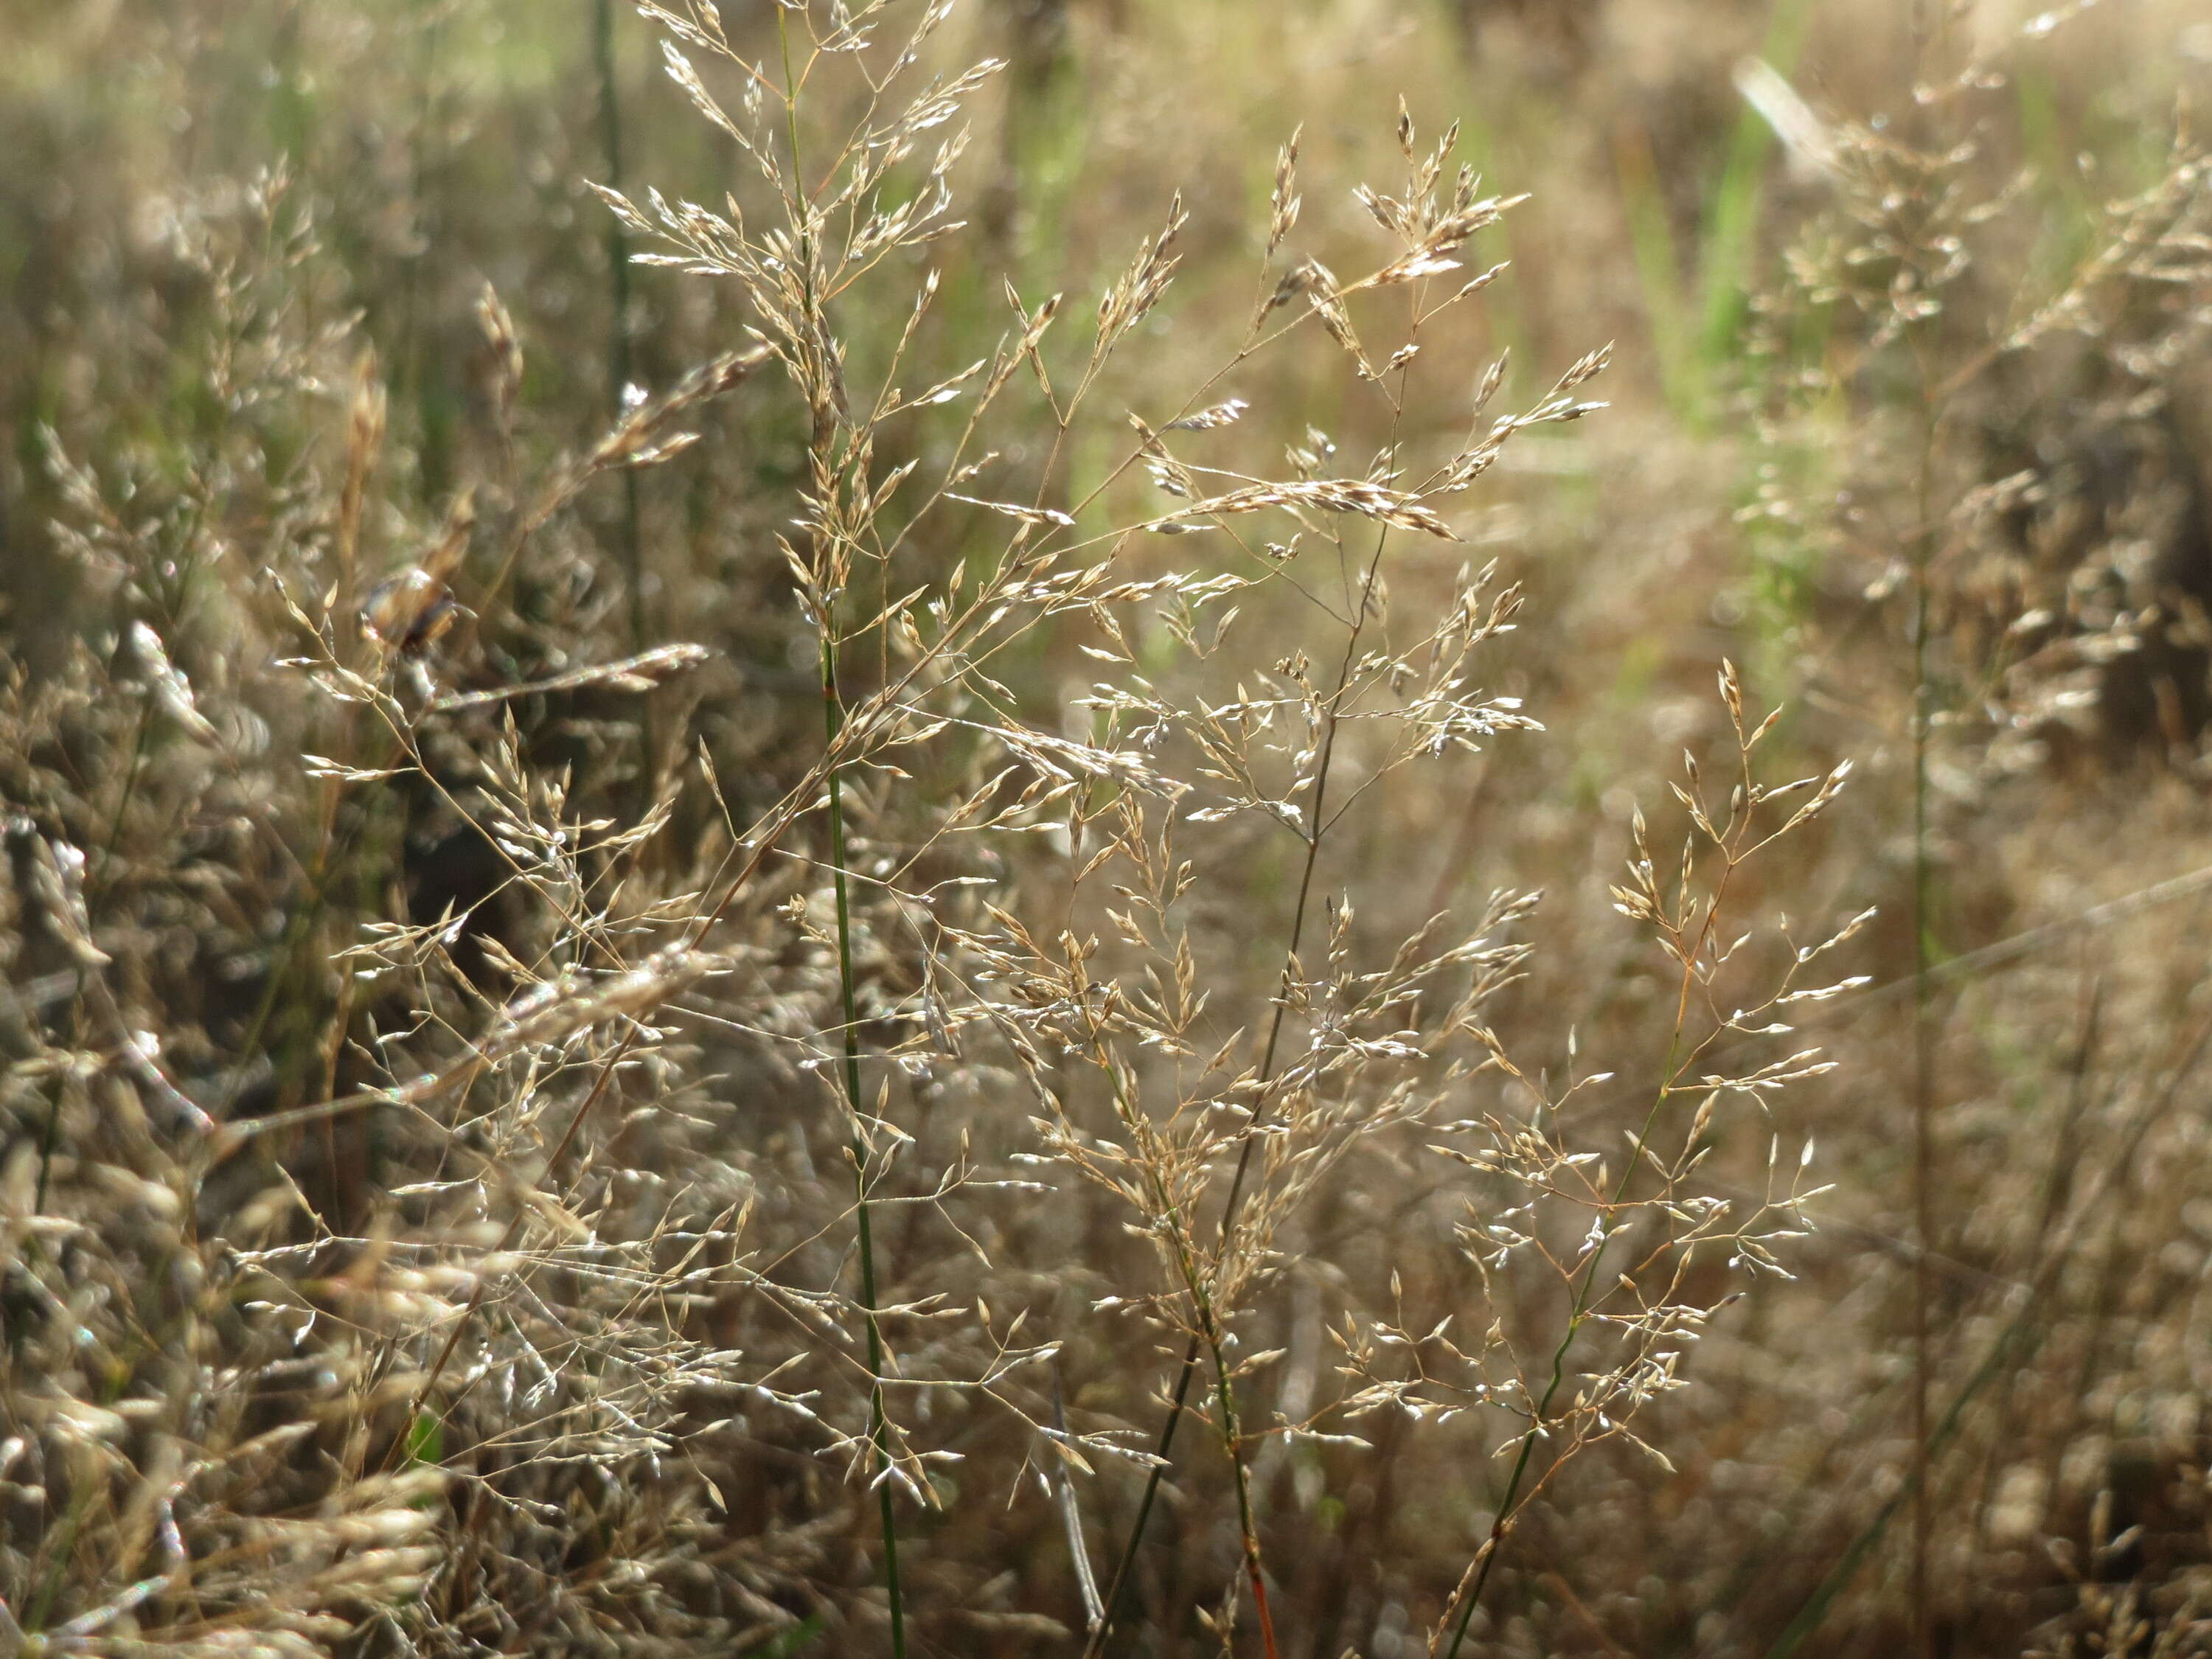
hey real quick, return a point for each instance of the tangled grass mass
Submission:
(1076, 827)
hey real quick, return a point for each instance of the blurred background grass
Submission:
(1753, 492)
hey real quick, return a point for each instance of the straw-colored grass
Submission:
(855, 829)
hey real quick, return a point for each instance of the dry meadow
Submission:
(1089, 827)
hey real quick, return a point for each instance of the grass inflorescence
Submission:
(934, 830)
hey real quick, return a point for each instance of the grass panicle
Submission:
(827, 854)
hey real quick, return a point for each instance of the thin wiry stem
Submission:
(1316, 824)
(618, 354)
(1923, 1051)
(1208, 1336)
(2005, 1353)
(1509, 1508)
(878, 1430)
(1670, 1072)
(833, 721)
(430, 21)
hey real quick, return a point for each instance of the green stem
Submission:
(2003, 1358)
(618, 298)
(1206, 1336)
(833, 718)
(833, 722)
(1181, 1395)
(1923, 1049)
(413, 378)
(1578, 1315)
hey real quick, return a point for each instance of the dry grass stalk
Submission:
(456, 1045)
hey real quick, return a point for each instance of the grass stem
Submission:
(1179, 1398)
(619, 305)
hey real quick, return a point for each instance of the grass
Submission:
(930, 841)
